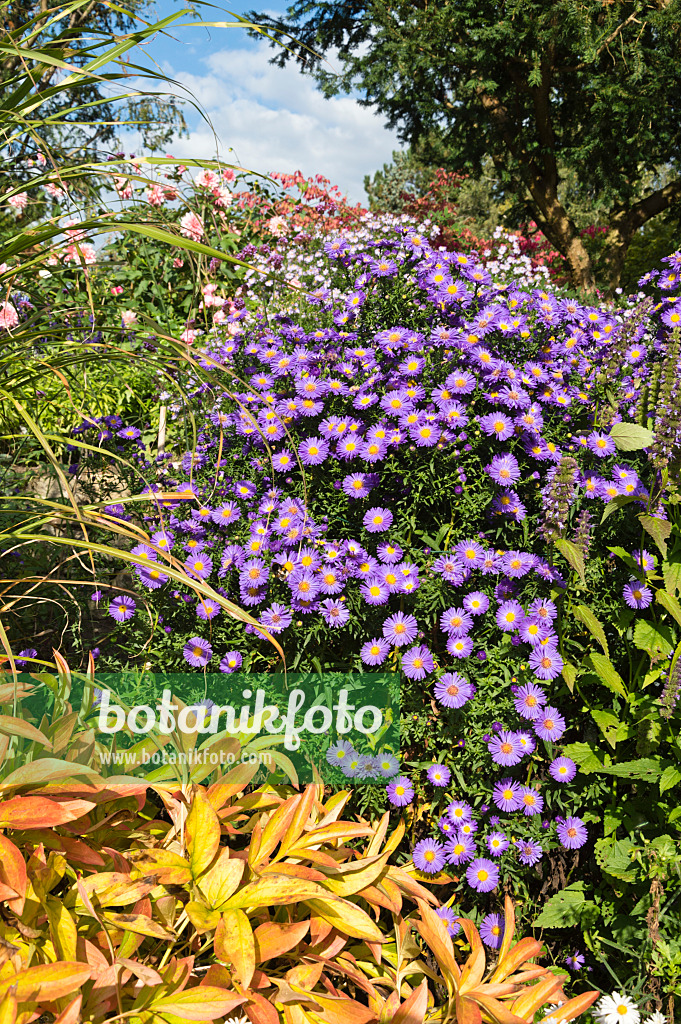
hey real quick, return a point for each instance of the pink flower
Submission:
(8, 315)
(129, 317)
(18, 203)
(156, 195)
(207, 179)
(191, 226)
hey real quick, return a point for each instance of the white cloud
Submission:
(274, 119)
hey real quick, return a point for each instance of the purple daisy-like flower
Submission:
(459, 849)
(563, 769)
(459, 811)
(504, 469)
(28, 652)
(313, 451)
(575, 962)
(546, 662)
(304, 586)
(122, 608)
(206, 609)
(637, 595)
(470, 553)
(276, 618)
(476, 603)
(439, 775)
(460, 646)
(429, 856)
(450, 918)
(400, 791)
(549, 724)
(600, 444)
(374, 652)
(400, 629)
(529, 852)
(197, 652)
(506, 795)
(377, 520)
(375, 591)
(529, 700)
(417, 662)
(498, 425)
(355, 485)
(505, 749)
(389, 553)
(509, 616)
(534, 631)
(335, 613)
(456, 621)
(226, 514)
(492, 930)
(231, 662)
(532, 801)
(497, 843)
(572, 833)
(151, 576)
(482, 874)
(453, 691)
(199, 565)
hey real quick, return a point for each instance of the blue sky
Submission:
(267, 118)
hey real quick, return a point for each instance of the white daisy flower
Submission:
(616, 1009)
(656, 1018)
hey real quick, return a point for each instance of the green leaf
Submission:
(572, 554)
(670, 777)
(607, 673)
(610, 725)
(628, 560)
(629, 437)
(569, 673)
(658, 529)
(619, 502)
(568, 909)
(672, 577)
(645, 769)
(669, 603)
(614, 857)
(584, 756)
(587, 617)
(656, 640)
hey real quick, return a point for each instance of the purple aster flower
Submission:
(197, 652)
(355, 485)
(335, 613)
(276, 618)
(375, 591)
(207, 609)
(122, 608)
(151, 576)
(563, 769)
(400, 629)
(449, 917)
(460, 646)
(459, 849)
(497, 843)
(506, 795)
(450, 567)
(601, 444)
(575, 962)
(304, 586)
(482, 874)
(453, 691)
(517, 563)
(504, 470)
(546, 662)
(459, 811)
(476, 603)
(377, 520)
(549, 724)
(400, 791)
(529, 699)
(529, 852)
(429, 856)
(532, 801)
(231, 662)
(498, 425)
(313, 451)
(505, 749)
(389, 553)
(534, 631)
(439, 775)
(509, 616)
(456, 621)
(543, 609)
(374, 652)
(637, 595)
(199, 565)
(492, 930)
(470, 553)
(572, 833)
(417, 662)
(30, 652)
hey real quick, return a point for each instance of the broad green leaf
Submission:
(672, 577)
(607, 673)
(670, 778)
(656, 640)
(569, 908)
(628, 560)
(610, 725)
(572, 554)
(619, 502)
(645, 769)
(629, 437)
(569, 673)
(584, 756)
(614, 857)
(658, 529)
(587, 617)
(669, 603)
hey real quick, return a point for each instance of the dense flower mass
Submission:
(403, 470)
